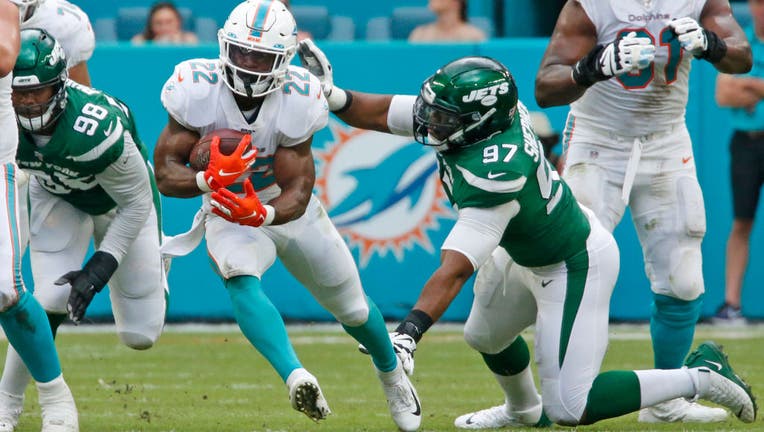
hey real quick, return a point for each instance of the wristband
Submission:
(270, 214)
(585, 71)
(339, 100)
(201, 183)
(415, 324)
(716, 48)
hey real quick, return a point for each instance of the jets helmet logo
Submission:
(487, 95)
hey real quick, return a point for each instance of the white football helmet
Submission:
(27, 8)
(257, 44)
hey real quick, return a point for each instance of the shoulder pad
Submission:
(101, 144)
(305, 110)
(187, 94)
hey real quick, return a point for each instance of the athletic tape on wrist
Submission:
(201, 183)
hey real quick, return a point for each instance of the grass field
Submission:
(210, 379)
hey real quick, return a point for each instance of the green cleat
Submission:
(719, 383)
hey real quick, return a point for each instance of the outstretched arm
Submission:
(361, 110)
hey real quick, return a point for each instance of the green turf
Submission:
(218, 382)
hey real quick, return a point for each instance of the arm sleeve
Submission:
(478, 231)
(400, 115)
(127, 183)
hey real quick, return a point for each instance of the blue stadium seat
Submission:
(313, 19)
(742, 13)
(405, 19)
(483, 23)
(520, 19)
(343, 29)
(378, 29)
(105, 29)
(206, 29)
(131, 21)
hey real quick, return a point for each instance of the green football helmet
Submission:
(41, 64)
(465, 102)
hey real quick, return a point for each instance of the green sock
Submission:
(513, 360)
(373, 335)
(613, 394)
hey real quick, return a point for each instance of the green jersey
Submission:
(548, 226)
(87, 138)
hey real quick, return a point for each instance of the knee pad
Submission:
(556, 412)
(136, 341)
(346, 301)
(686, 273)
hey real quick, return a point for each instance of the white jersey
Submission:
(197, 97)
(9, 135)
(69, 25)
(655, 98)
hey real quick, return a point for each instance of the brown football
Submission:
(200, 154)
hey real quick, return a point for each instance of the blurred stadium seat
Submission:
(406, 18)
(378, 29)
(206, 29)
(520, 20)
(105, 29)
(313, 19)
(742, 13)
(343, 29)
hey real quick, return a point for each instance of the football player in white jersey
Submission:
(21, 316)
(70, 26)
(624, 66)
(253, 89)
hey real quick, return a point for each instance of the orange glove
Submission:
(246, 210)
(224, 170)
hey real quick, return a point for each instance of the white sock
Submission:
(15, 374)
(660, 385)
(54, 391)
(520, 390)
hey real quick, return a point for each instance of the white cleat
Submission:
(681, 410)
(11, 407)
(500, 416)
(402, 399)
(58, 411)
(306, 396)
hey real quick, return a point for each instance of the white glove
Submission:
(404, 346)
(315, 61)
(627, 54)
(690, 35)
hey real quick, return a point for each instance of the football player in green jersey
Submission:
(90, 180)
(21, 316)
(540, 256)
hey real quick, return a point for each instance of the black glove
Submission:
(87, 282)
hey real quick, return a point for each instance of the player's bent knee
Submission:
(136, 341)
(558, 415)
(482, 342)
(354, 317)
(686, 278)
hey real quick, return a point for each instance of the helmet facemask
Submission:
(35, 117)
(447, 129)
(257, 43)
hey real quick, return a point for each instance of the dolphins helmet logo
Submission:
(381, 191)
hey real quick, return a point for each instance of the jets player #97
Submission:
(540, 256)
